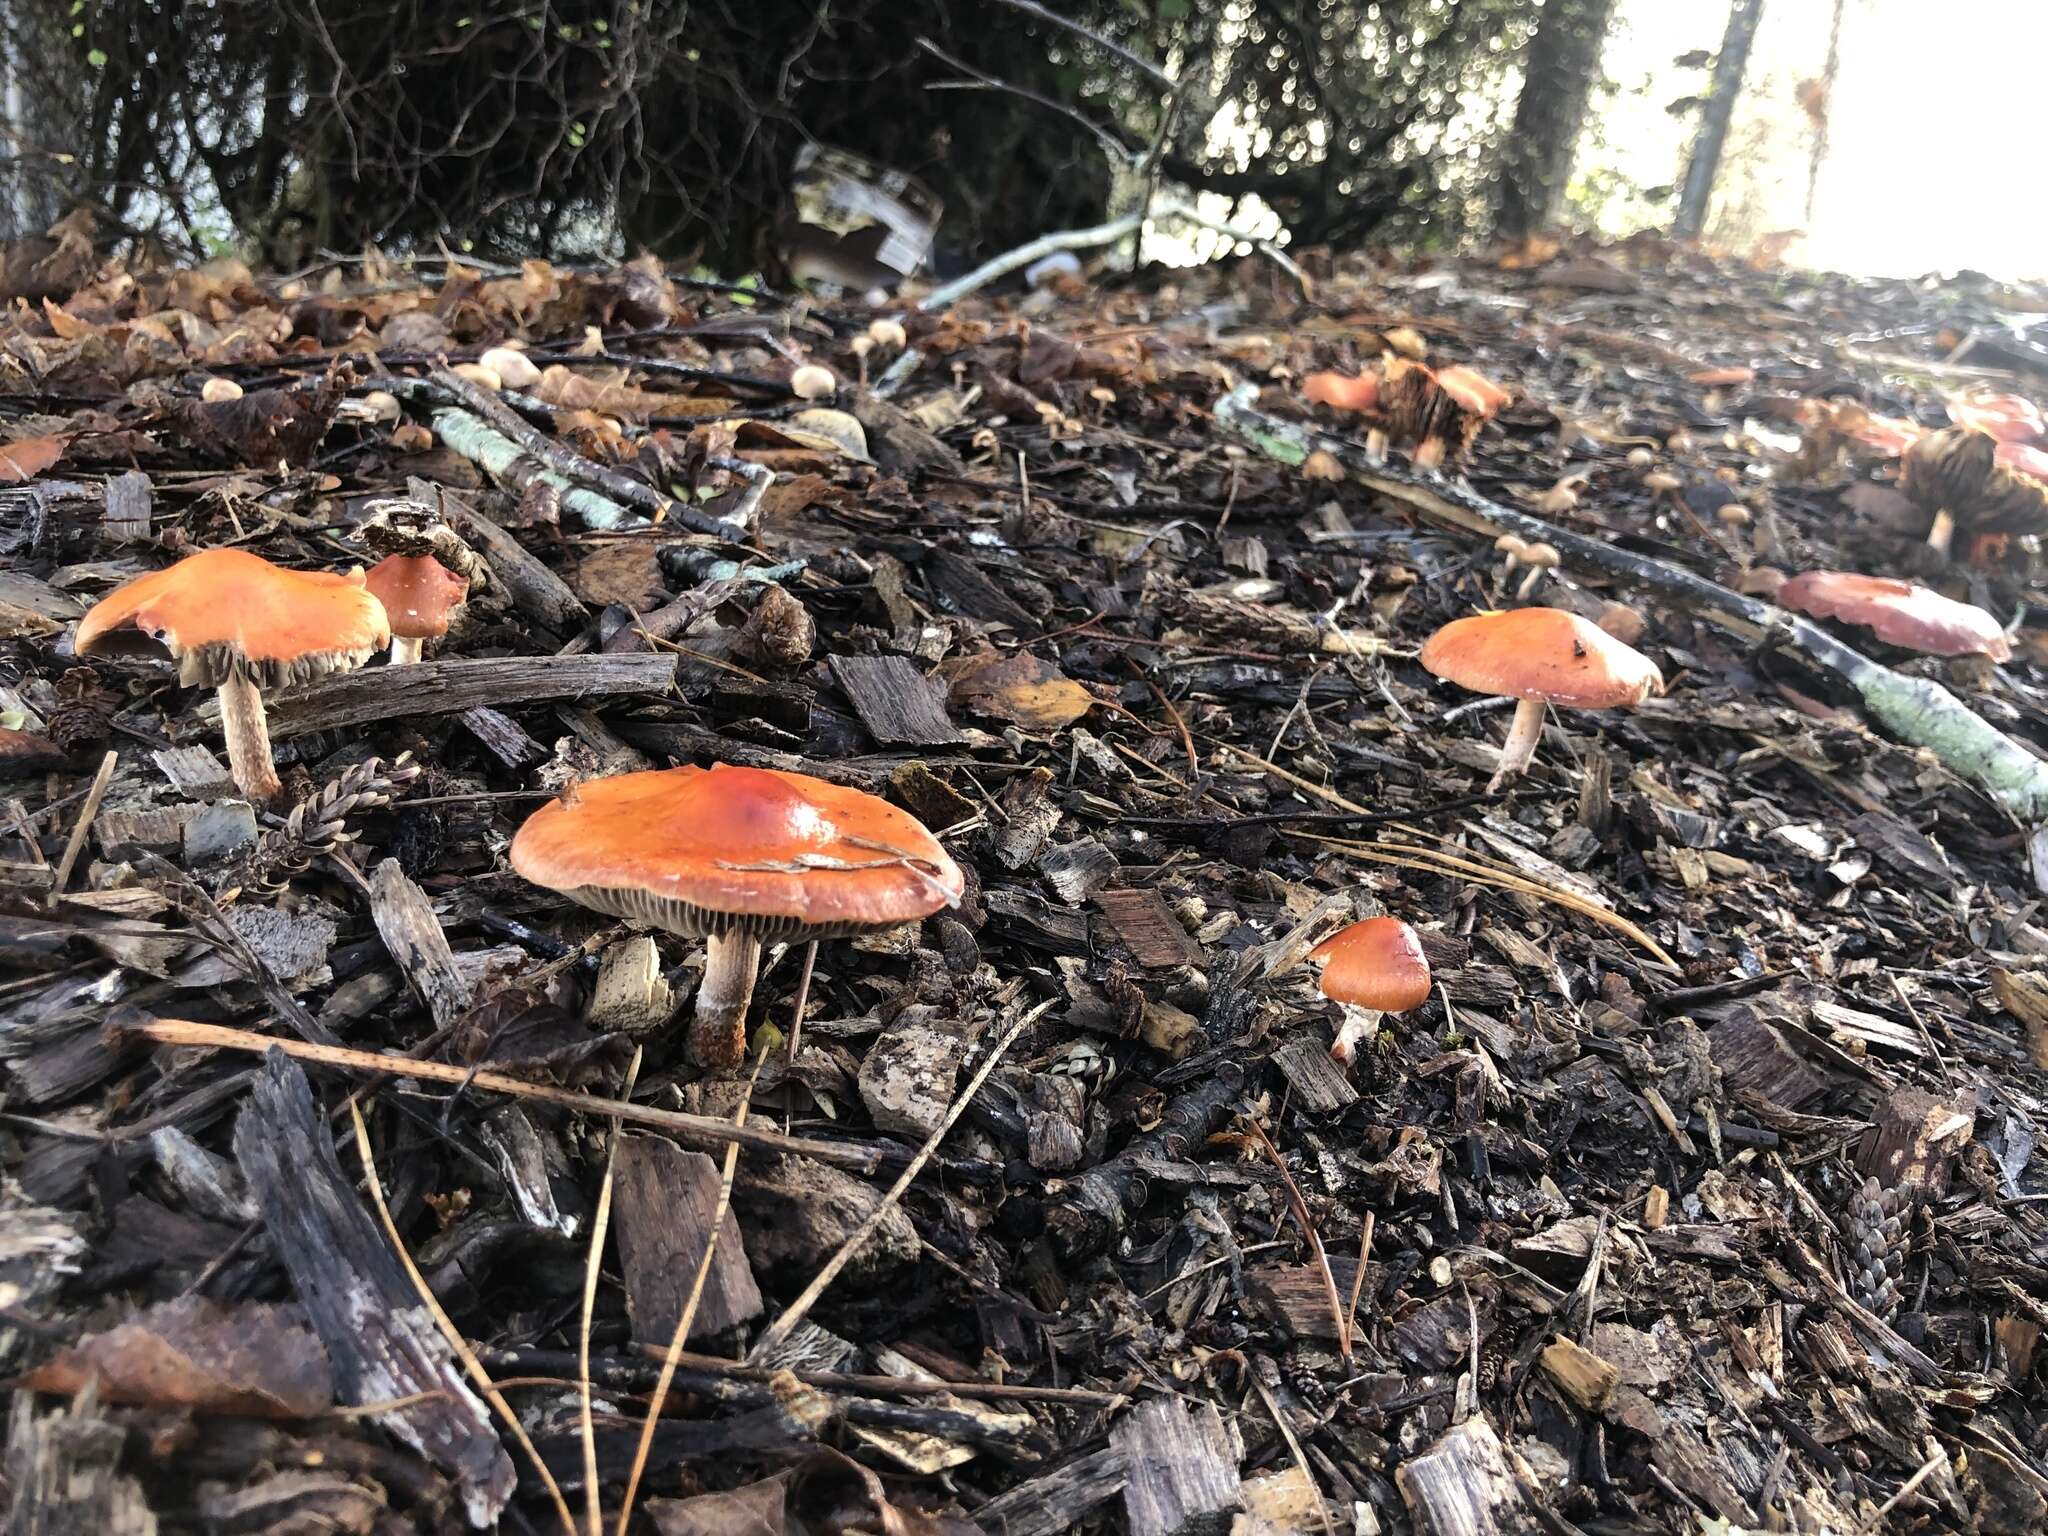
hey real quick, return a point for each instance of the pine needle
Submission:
(593, 1502)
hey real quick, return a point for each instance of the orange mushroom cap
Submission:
(224, 610)
(1898, 613)
(1378, 963)
(749, 849)
(1541, 653)
(419, 594)
(1471, 389)
(1342, 391)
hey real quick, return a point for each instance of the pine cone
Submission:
(84, 709)
(1877, 1245)
(319, 824)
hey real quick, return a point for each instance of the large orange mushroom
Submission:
(234, 622)
(737, 856)
(1538, 656)
(1376, 966)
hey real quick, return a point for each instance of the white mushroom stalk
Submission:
(246, 730)
(732, 962)
(1520, 750)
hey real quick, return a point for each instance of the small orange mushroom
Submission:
(234, 622)
(1376, 965)
(420, 595)
(1538, 656)
(738, 856)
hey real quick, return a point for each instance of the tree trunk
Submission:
(1743, 16)
(1563, 62)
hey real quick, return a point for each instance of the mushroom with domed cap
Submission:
(737, 856)
(1538, 656)
(234, 622)
(1376, 966)
(420, 595)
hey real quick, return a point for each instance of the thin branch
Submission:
(1151, 72)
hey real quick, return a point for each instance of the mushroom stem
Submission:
(718, 1031)
(248, 738)
(1942, 534)
(1521, 743)
(405, 651)
(1359, 1026)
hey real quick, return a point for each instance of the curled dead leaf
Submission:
(1021, 689)
(30, 456)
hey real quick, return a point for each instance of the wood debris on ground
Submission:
(1700, 1193)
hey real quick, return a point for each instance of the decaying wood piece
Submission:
(125, 518)
(896, 702)
(1581, 1375)
(1914, 1139)
(1055, 1502)
(63, 1473)
(662, 1202)
(1913, 710)
(1088, 1213)
(405, 921)
(1180, 1469)
(907, 1076)
(1463, 1486)
(445, 687)
(384, 1346)
(631, 995)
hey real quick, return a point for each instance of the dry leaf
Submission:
(253, 1360)
(24, 460)
(1021, 689)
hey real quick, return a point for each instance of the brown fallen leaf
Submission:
(1021, 689)
(753, 1509)
(30, 456)
(831, 1494)
(253, 1360)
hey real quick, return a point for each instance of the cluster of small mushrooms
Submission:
(742, 857)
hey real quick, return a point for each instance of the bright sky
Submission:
(1933, 133)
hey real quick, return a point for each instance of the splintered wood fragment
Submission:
(405, 921)
(1297, 1297)
(1020, 917)
(1754, 1053)
(195, 772)
(1462, 1486)
(63, 1472)
(125, 518)
(1656, 1207)
(897, 703)
(444, 687)
(1142, 919)
(1580, 1374)
(1316, 1084)
(1077, 870)
(383, 1345)
(631, 995)
(1180, 1469)
(155, 829)
(502, 737)
(1055, 1502)
(663, 1201)
(1914, 1139)
(908, 1075)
